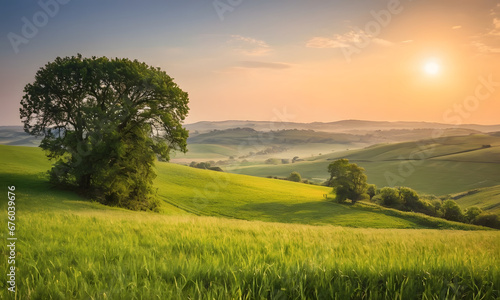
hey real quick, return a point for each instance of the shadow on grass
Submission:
(316, 212)
(34, 193)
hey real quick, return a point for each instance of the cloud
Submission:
(496, 23)
(354, 37)
(456, 27)
(407, 42)
(483, 48)
(382, 42)
(249, 46)
(489, 41)
(323, 42)
(263, 65)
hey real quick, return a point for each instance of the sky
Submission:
(277, 60)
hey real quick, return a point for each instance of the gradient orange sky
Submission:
(282, 60)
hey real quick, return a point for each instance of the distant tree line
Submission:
(294, 176)
(205, 165)
(349, 182)
(268, 150)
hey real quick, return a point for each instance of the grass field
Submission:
(106, 254)
(70, 248)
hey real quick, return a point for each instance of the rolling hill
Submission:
(488, 199)
(186, 190)
(439, 166)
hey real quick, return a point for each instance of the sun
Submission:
(432, 67)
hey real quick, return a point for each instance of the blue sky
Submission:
(253, 58)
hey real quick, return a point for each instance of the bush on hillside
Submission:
(295, 176)
(488, 220)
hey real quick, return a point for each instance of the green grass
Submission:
(70, 248)
(210, 193)
(120, 255)
(205, 152)
(488, 199)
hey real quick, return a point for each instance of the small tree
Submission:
(410, 198)
(390, 196)
(347, 179)
(295, 176)
(452, 212)
(488, 220)
(472, 212)
(371, 190)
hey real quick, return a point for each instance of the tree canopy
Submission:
(295, 176)
(348, 180)
(104, 122)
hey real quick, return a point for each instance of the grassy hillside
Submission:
(70, 248)
(201, 192)
(442, 166)
(488, 199)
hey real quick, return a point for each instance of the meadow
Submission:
(195, 248)
(106, 254)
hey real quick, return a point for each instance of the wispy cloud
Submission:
(324, 42)
(496, 23)
(249, 46)
(354, 37)
(483, 48)
(263, 65)
(456, 27)
(489, 42)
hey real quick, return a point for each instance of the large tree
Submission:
(347, 179)
(104, 122)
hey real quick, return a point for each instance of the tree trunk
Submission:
(84, 182)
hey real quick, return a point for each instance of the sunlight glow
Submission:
(432, 68)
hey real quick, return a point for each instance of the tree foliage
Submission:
(104, 122)
(472, 212)
(295, 176)
(488, 220)
(371, 190)
(452, 212)
(390, 197)
(347, 179)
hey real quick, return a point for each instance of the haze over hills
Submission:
(345, 126)
(367, 132)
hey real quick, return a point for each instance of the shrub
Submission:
(488, 220)
(452, 212)
(295, 176)
(410, 198)
(371, 190)
(472, 212)
(390, 197)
